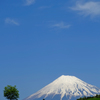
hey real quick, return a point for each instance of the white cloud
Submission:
(61, 25)
(29, 2)
(88, 8)
(11, 21)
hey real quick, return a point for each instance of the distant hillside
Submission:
(94, 99)
(97, 97)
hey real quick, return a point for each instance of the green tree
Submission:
(10, 92)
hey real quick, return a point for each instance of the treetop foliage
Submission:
(10, 92)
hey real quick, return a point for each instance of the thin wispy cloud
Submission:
(11, 21)
(28, 2)
(88, 8)
(61, 25)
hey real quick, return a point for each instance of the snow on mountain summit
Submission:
(65, 86)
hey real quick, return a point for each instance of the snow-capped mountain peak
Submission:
(65, 86)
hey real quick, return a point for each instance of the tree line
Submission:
(85, 98)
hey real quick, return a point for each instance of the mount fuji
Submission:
(65, 88)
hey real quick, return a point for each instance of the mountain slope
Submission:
(65, 87)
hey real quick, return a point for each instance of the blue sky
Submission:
(40, 40)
